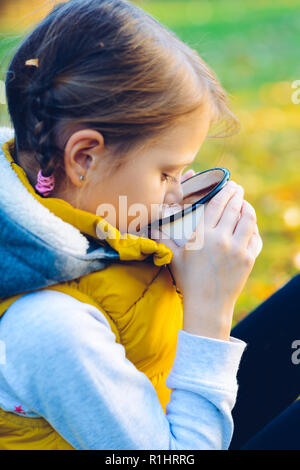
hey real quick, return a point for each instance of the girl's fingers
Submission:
(255, 243)
(215, 207)
(246, 225)
(187, 175)
(232, 212)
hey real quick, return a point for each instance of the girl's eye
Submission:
(166, 177)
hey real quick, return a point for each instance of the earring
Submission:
(81, 177)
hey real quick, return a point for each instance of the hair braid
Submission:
(41, 104)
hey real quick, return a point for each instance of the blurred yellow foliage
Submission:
(18, 15)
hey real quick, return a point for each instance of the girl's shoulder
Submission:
(47, 316)
(40, 302)
(47, 336)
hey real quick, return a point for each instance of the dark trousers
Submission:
(266, 414)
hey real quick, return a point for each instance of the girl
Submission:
(96, 328)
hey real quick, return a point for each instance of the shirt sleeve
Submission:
(64, 363)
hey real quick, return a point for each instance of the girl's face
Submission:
(133, 193)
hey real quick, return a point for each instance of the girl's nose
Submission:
(174, 195)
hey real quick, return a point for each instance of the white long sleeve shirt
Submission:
(60, 361)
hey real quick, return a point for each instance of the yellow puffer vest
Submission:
(139, 300)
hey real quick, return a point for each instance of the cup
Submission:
(178, 221)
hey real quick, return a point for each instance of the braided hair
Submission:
(40, 99)
(31, 93)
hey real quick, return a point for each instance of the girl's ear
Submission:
(82, 153)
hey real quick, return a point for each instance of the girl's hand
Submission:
(211, 278)
(187, 175)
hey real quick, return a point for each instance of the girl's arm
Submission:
(63, 363)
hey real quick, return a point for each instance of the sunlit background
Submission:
(253, 47)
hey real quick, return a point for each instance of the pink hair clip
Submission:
(45, 184)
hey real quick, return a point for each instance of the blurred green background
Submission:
(253, 47)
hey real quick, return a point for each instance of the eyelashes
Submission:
(169, 178)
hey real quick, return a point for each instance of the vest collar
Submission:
(129, 246)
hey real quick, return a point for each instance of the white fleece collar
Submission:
(21, 206)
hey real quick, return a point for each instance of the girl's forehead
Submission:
(190, 132)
